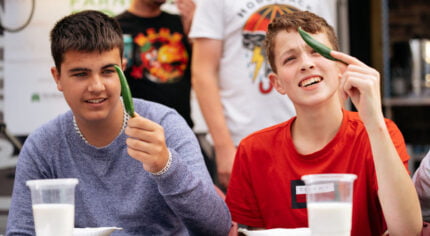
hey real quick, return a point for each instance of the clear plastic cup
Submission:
(329, 203)
(53, 203)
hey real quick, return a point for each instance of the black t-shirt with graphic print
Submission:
(158, 67)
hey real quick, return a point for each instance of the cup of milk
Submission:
(329, 203)
(53, 203)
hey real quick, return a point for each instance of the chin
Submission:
(95, 116)
(159, 2)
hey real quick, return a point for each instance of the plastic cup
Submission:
(53, 203)
(329, 203)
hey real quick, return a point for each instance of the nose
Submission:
(307, 66)
(96, 84)
(307, 63)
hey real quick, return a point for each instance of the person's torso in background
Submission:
(158, 68)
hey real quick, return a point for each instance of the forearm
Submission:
(209, 99)
(20, 218)
(397, 194)
(205, 70)
(186, 191)
(186, 23)
(187, 186)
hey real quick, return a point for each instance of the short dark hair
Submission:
(85, 31)
(310, 22)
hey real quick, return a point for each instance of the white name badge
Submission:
(301, 189)
(320, 188)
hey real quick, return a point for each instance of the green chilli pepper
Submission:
(317, 46)
(125, 92)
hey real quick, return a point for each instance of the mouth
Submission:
(95, 101)
(310, 81)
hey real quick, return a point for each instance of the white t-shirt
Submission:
(250, 102)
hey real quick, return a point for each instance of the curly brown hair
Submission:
(309, 22)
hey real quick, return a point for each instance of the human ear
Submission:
(124, 62)
(274, 80)
(56, 75)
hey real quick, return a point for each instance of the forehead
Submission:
(291, 40)
(90, 59)
(156, 2)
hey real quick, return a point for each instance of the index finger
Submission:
(142, 123)
(346, 58)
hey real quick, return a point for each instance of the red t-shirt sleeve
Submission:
(240, 197)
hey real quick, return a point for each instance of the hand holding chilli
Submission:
(317, 46)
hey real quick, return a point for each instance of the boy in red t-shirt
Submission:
(265, 190)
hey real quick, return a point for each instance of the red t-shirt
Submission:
(265, 186)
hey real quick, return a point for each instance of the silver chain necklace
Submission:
(78, 131)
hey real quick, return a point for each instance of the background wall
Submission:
(27, 60)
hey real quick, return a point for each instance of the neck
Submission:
(315, 127)
(142, 9)
(101, 133)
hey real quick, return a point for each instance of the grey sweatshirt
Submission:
(114, 189)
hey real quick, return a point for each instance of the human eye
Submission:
(80, 75)
(313, 52)
(288, 59)
(109, 71)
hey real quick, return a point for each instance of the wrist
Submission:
(166, 167)
(224, 143)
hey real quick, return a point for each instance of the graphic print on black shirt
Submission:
(159, 55)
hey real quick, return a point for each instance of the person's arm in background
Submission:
(205, 72)
(421, 180)
(186, 10)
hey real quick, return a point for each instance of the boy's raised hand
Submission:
(362, 84)
(146, 143)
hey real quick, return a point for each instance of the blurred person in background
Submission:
(159, 60)
(421, 180)
(158, 67)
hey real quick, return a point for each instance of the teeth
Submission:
(95, 100)
(310, 81)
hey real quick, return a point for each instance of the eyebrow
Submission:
(78, 69)
(109, 65)
(293, 50)
(289, 51)
(84, 69)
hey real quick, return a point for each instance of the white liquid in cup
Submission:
(54, 219)
(330, 218)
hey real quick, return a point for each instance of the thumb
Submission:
(343, 95)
